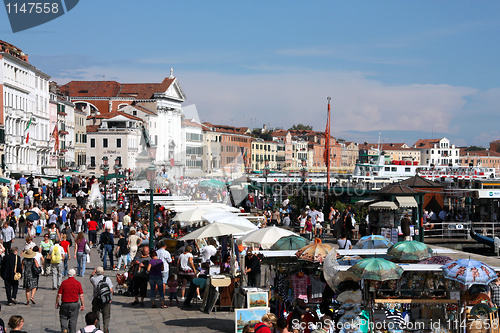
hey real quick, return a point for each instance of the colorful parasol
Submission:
(315, 252)
(376, 269)
(436, 260)
(373, 242)
(469, 271)
(290, 243)
(409, 251)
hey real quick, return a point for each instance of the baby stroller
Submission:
(121, 284)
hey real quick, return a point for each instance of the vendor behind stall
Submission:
(252, 269)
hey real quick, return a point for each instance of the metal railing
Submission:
(461, 230)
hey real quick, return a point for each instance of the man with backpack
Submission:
(103, 290)
(107, 244)
(57, 256)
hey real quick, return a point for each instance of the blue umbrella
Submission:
(469, 271)
(373, 242)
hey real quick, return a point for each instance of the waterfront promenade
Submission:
(43, 317)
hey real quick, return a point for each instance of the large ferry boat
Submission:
(400, 170)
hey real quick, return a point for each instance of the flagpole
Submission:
(327, 148)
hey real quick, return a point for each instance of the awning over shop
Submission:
(389, 205)
(407, 202)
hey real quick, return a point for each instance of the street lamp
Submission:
(151, 176)
(117, 167)
(303, 172)
(265, 173)
(105, 170)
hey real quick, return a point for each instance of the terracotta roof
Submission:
(92, 128)
(110, 115)
(426, 143)
(482, 153)
(114, 89)
(91, 88)
(383, 146)
(417, 181)
(279, 133)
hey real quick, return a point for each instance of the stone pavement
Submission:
(43, 317)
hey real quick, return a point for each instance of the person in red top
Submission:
(69, 293)
(92, 226)
(65, 245)
(267, 322)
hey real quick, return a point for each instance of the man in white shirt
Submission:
(91, 321)
(165, 256)
(208, 251)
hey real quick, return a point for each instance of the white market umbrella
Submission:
(266, 237)
(195, 215)
(216, 229)
(229, 218)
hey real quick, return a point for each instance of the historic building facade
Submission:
(24, 113)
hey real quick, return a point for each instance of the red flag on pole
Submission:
(27, 137)
(327, 147)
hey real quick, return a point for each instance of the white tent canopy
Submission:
(266, 237)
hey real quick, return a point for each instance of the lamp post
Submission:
(303, 173)
(265, 173)
(151, 176)
(105, 171)
(117, 167)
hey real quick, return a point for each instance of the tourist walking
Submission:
(16, 323)
(107, 243)
(57, 255)
(185, 269)
(70, 292)
(7, 236)
(133, 242)
(101, 301)
(140, 276)
(91, 322)
(31, 271)
(122, 252)
(11, 265)
(81, 248)
(45, 246)
(155, 267)
(165, 256)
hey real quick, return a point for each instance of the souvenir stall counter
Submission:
(420, 301)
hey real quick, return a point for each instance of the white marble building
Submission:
(24, 91)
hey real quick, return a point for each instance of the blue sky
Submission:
(407, 69)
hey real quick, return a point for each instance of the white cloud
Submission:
(284, 98)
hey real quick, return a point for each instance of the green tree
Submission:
(301, 127)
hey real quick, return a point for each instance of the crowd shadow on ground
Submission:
(221, 325)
